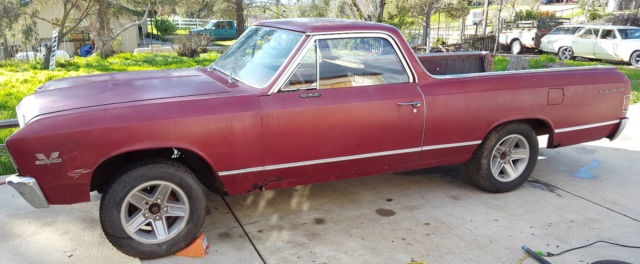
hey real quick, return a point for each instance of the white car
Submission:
(615, 43)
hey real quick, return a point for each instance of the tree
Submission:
(459, 10)
(73, 13)
(9, 13)
(29, 35)
(240, 22)
(99, 22)
(370, 10)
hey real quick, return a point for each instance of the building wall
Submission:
(129, 38)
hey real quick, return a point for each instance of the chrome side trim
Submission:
(623, 124)
(560, 130)
(453, 53)
(479, 74)
(352, 157)
(453, 145)
(28, 188)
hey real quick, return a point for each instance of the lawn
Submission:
(19, 79)
(501, 63)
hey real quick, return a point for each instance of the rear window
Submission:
(565, 31)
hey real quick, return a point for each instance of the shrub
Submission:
(593, 16)
(192, 45)
(165, 26)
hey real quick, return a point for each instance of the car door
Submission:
(366, 111)
(584, 43)
(606, 44)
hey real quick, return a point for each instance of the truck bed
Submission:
(456, 63)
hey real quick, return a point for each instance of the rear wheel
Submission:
(635, 59)
(153, 210)
(505, 159)
(565, 53)
(516, 47)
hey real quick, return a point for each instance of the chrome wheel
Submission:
(635, 59)
(509, 158)
(154, 212)
(565, 53)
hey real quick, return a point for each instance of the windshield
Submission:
(258, 55)
(210, 25)
(565, 31)
(629, 33)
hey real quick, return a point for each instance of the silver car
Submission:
(615, 43)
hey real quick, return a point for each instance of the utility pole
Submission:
(486, 17)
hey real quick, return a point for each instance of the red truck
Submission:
(292, 102)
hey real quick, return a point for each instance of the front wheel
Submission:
(153, 210)
(505, 159)
(565, 53)
(635, 59)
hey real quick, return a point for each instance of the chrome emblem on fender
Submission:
(53, 158)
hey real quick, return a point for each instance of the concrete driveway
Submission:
(577, 195)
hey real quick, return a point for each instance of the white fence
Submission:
(185, 23)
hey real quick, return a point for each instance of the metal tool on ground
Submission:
(535, 255)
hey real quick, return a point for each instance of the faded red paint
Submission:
(235, 126)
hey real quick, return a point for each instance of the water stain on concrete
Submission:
(585, 173)
(454, 197)
(319, 221)
(385, 212)
(584, 151)
(224, 235)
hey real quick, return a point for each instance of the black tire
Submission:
(566, 53)
(478, 168)
(516, 47)
(635, 59)
(171, 173)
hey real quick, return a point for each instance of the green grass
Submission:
(501, 63)
(182, 32)
(19, 79)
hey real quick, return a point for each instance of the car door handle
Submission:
(414, 104)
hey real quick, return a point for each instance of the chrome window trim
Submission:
(567, 129)
(313, 37)
(279, 69)
(479, 74)
(344, 158)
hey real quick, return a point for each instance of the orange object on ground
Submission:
(197, 249)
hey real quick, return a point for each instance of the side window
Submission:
(218, 25)
(350, 62)
(587, 33)
(305, 75)
(608, 34)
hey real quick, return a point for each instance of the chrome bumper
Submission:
(623, 124)
(28, 188)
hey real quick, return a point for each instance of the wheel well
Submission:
(514, 40)
(107, 170)
(541, 127)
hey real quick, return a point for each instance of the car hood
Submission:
(113, 88)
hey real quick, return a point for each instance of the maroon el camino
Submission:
(293, 102)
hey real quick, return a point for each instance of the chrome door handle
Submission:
(414, 104)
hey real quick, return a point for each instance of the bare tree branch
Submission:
(40, 18)
(135, 23)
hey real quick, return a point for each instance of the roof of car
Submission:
(320, 25)
(596, 25)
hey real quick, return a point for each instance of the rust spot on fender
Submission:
(261, 186)
(77, 173)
